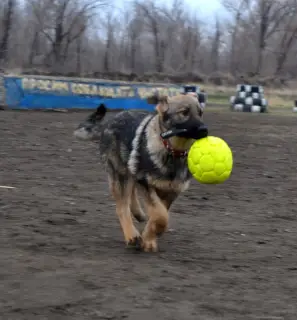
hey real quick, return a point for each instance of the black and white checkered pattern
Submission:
(248, 98)
(295, 106)
(201, 95)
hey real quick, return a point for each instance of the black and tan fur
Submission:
(139, 161)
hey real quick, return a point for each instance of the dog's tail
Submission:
(89, 129)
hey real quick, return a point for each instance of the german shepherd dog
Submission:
(146, 153)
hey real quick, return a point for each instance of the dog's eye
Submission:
(185, 112)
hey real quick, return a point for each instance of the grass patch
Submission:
(272, 111)
(218, 98)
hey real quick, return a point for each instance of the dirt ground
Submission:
(230, 252)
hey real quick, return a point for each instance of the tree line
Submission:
(149, 40)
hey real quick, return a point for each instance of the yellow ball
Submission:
(210, 160)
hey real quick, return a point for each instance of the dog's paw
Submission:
(150, 245)
(135, 243)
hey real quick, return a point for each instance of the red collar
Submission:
(174, 153)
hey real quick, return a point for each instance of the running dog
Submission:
(146, 152)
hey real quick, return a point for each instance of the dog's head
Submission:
(89, 129)
(180, 116)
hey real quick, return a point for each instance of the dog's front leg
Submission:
(157, 223)
(121, 190)
(136, 209)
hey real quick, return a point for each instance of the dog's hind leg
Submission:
(135, 206)
(157, 223)
(121, 188)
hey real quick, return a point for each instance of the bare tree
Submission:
(215, 50)
(9, 8)
(151, 39)
(154, 20)
(62, 22)
(189, 44)
(109, 41)
(134, 29)
(270, 16)
(288, 37)
(238, 9)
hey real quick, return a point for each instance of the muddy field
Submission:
(230, 253)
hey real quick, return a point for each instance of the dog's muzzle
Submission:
(193, 132)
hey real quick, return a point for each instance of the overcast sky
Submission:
(206, 9)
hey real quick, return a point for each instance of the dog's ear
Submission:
(153, 99)
(162, 105)
(161, 102)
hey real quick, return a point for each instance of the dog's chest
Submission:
(174, 172)
(175, 168)
(164, 172)
(150, 162)
(175, 182)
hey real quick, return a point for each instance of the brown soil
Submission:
(230, 253)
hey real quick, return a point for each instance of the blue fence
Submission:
(2, 91)
(68, 93)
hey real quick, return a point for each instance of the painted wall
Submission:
(2, 91)
(39, 92)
